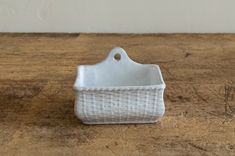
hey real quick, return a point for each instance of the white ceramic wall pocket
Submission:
(119, 90)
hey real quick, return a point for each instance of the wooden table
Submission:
(37, 72)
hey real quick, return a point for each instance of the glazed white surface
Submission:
(123, 73)
(119, 91)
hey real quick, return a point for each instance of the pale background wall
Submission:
(125, 16)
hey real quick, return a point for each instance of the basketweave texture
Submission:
(130, 106)
(117, 91)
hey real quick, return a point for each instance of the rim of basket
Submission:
(113, 88)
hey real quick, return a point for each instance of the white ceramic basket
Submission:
(119, 91)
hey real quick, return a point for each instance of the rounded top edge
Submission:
(120, 52)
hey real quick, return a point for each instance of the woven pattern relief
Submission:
(131, 106)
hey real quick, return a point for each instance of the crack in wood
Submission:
(229, 91)
(197, 147)
(199, 95)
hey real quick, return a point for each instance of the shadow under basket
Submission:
(119, 90)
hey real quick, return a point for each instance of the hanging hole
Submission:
(117, 57)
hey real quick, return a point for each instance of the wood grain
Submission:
(37, 72)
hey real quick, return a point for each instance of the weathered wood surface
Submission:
(37, 72)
